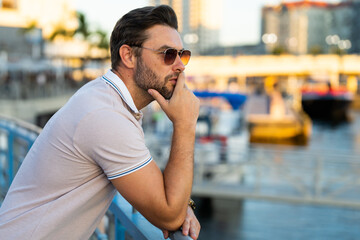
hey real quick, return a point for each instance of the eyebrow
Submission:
(164, 47)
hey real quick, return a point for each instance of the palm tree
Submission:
(97, 39)
(83, 26)
(60, 30)
(103, 41)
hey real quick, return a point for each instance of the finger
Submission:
(165, 233)
(180, 82)
(194, 231)
(185, 86)
(158, 97)
(186, 227)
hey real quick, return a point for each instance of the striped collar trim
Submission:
(114, 81)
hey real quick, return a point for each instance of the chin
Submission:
(168, 97)
(166, 93)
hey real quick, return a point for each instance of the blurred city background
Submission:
(278, 136)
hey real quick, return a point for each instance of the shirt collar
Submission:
(114, 81)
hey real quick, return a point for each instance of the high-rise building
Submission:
(355, 26)
(199, 22)
(303, 27)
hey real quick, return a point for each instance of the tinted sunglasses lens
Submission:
(185, 56)
(170, 56)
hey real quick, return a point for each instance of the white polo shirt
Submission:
(62, 189)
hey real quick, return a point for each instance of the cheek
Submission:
(160, 70)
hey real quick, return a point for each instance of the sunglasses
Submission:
(171, 53)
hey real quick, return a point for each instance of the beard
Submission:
(145, 78)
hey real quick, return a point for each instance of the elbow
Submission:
(174, 224)
(171, 221)
(171, 225)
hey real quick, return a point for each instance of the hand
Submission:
(191, 226)
(183, 107)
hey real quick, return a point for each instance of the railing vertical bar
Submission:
(119, 230)
(10, 157)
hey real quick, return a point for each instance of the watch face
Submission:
(192, 204)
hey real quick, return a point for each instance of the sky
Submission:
(241, 18)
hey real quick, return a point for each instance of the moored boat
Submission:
(326, 103)
(271, 120)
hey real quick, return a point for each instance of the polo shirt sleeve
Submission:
(112, 140)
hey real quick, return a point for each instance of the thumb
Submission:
(159, 98)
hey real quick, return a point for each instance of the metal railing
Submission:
(16, 138)
(291, 175)
(121, 221)
(270, 172)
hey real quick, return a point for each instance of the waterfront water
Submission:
(259, 219)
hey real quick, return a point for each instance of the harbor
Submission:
(294, 201)
(273, 190)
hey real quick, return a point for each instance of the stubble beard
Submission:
(145, 78)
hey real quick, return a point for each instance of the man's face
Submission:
(151, 70)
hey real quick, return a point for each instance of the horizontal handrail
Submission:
(10, 121)
(134, 221)
(270, 172)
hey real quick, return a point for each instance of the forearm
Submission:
(178, 174)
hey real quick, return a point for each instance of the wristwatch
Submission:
(192, 204)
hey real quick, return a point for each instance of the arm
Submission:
(162, 197)
(191, 226)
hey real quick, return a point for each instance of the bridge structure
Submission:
(289, 67)
(28, 92)
(121, 220)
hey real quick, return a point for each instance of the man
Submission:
(95, 145)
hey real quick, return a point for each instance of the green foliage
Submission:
(96, 38)
(32, 25)
(316, 49)
(83, 26)
(60, 30)
(102, 41)
(337, 50)
(278, 50)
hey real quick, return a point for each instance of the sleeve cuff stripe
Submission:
(131, 170)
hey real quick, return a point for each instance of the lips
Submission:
(173, 80)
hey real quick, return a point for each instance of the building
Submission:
(199, 22)
(303, 27)
(46, 15)
(26, 27)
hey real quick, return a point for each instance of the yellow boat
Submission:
(271, 120)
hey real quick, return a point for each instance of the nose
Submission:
(178, 65)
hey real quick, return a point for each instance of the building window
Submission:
(12, 4)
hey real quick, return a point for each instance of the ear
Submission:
(127, 56)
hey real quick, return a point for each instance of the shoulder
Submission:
(108, 122)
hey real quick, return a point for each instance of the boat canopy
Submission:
(236, 100)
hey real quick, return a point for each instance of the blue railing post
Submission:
(119, 230)
(10, 157)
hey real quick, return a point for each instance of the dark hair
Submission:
(130, 29)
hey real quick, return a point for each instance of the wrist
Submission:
(182, 126)
(192, 204)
